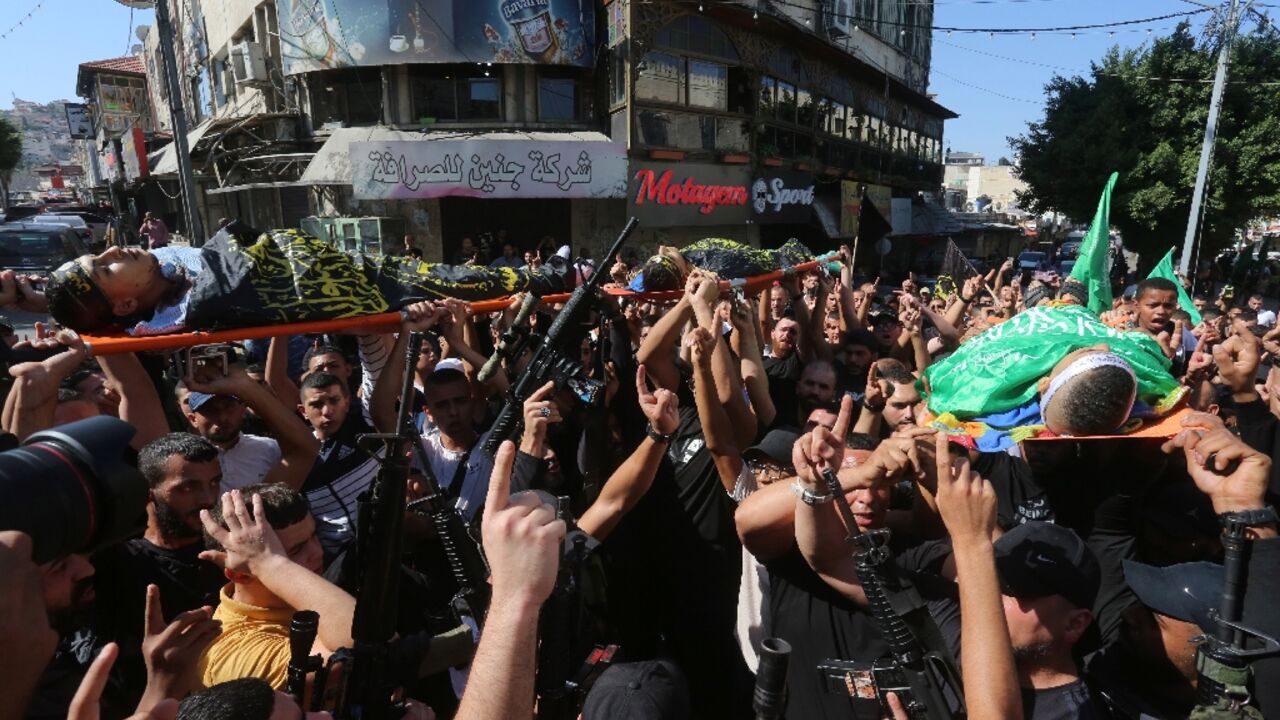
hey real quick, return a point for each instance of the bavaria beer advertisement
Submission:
(324, 34)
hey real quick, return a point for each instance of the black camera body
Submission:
(72, 488)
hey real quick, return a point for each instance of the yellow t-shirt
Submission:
(254, 643)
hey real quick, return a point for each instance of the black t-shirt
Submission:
(783, 373)
(675, 563)
(821, 624)
(1019, 499)
(121, 575)
(1065, 702)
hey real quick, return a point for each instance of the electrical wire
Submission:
(997, 30)
(128, 42)
(958, 81)
(25, 18)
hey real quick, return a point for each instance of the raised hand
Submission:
(661, 406)
(249, 543)
(877, 392)
(172, 650)
(521, 538)
(966, 501)
(540, 412)
(422, 316)
(1237, 361)
(1210, 450)
(701, 344)
(822, 449)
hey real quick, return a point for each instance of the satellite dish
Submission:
(141, 31)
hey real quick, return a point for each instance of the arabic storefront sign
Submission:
(782, 196)
(79, 122)
(326, 34)
(133, 153)
(669, 195)
(409, 169)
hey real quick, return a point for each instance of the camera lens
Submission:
(71, 488)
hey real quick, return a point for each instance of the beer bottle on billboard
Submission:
(531, 21)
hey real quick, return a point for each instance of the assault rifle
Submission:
(550, 361)
(371, 667)
(1222, 659)
(569, 661)
(922, 673)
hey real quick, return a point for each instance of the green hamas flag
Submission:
(1092, 267)
(1164, 269)
(997, 371)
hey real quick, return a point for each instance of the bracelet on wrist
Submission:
(657, 436)
(965, 300)
(873, 408)
(809, 497)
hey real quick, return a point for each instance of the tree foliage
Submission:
(1132, 116)
(10, 156)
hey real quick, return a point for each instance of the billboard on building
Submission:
(326, 34)
(782, 196)
(123, 103)
(410, 169)
(79, 121)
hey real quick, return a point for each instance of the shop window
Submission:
(480, 99)
(767, 106)
(661, 78)
(708, 85)
(804, 108)
(696, 34)
(352, 96)
(835, 119)
(450, 93)
(692, 131)
(618, 75)
(557, 99)
(786, 102)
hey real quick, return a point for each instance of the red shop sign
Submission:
(689, 194)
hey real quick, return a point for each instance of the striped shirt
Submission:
(344, 470)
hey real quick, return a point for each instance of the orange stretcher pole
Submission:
(383, 322)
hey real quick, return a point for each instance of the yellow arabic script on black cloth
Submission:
(287, 276)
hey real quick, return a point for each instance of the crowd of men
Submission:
(700, 474)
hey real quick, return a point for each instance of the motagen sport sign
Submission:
(675, 194)
(782, 196)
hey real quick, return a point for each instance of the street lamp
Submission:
(177, 113)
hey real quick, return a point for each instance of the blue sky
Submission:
(40, 58)
(959, 70)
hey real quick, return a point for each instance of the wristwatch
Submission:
(1249, 518)
(808, 497)
(872, 408)
(657, 436)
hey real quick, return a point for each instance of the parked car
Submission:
(1031, 262)
(38, 248)
(96, 223)
(72, 221)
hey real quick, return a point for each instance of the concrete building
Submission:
(552, 121)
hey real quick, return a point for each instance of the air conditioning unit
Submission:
(839, 13)
(249, 64)
(359, 236)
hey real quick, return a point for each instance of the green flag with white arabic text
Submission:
(1165, 270)
(1093, 266)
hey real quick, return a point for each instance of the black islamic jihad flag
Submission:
(956, 268)
(287, 276)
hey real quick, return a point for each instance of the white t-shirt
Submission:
(1266, 318)
(248, 461)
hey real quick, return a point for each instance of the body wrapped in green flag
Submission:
(998, 371)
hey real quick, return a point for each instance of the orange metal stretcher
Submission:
(383, 322)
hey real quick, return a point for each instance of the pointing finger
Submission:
(841, 429)
(153, 619)
(500, 479)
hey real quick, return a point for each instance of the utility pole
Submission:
(178, 116)
(1210, 134)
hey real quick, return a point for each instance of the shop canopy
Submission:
(386, 164)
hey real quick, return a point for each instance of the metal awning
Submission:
(255, 186)
(826, 210)
(332, 163)
(167, 160)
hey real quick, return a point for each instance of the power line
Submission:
(1005, 30)
(958, 81)
(128, 42)
(1080, 71)
(25, 18)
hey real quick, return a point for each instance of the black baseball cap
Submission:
(775, 446)
(648, 689)
(1186, 592)
(1038, 559)
(860, 337)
